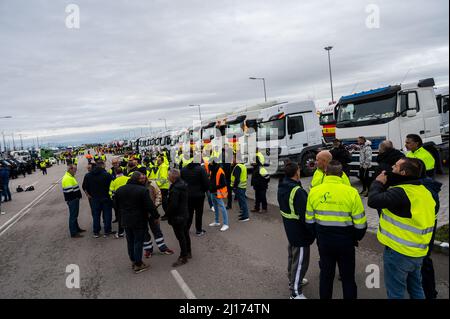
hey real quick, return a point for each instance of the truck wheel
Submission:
(308, 164)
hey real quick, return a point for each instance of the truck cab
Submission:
(328, 123)
(290, 132)
(389, 113)
(442, 104)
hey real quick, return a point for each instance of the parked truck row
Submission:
(284, 130)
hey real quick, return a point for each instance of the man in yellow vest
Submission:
(335, 213)
(260, 181)
(119, 181)
(415, 147)
(292, 202)
(322, 160)
(406, 226)
(72, 196)
(239, 185)
(161, 176)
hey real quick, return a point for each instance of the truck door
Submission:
(411, 116)
(296, 138)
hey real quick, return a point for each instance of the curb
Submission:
(441, 247)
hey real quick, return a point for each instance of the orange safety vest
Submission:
(221, 192)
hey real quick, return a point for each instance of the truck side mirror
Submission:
(411, 113)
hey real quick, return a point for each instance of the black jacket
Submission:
(296, 231)
(96, 183)
(213, 168)
(341, 155)
(258, 181)
(387, 159)
(135, 205)
(196, 178)
(395, 198)
(177, 211)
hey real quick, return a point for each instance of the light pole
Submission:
(3, 133)
(199, 111)
(264, 84)
(165, 122)
(328, 49)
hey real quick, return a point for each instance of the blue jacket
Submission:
(4, 173)
(296, 231)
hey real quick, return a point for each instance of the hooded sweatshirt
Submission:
(365, 155)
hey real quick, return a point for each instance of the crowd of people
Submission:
(331, 213)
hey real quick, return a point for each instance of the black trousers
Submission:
(344, 256)
(428, 277)
(165, 200)
(230, 196)
(260, 198)
(182, 234)
(135, 242)
(364, 177)
(195, 205)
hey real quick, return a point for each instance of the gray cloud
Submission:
(135, 62)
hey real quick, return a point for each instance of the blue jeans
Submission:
(6, 192)
(74, 208)
(219, 205)
(402, 273)
(240, 194)
(135, 243)
(99, 206)
(209, 197)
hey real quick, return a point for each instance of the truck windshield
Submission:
(209, 133)
(235, 129)
(367, 112)
(325, 119)
(270, 129)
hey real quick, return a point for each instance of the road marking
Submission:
(9, 223)
(184, 287)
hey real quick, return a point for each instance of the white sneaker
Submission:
(212, 209)
(302, 296)
(305, 282)
(224, 228)
(2, 213)
(214, 224)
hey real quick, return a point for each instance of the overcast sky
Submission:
(133, 62)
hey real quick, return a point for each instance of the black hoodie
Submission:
(296, 231)
(177, 212)
(96, 183)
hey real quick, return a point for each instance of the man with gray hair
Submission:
(387, 157)
(178, 215)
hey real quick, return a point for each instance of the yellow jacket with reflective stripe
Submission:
(423, 155)
(162, 176)
(319, 176)
(70, 187)
(261, 158)
(242, 177)
(117, 183)
(409, 236)
(333, 203)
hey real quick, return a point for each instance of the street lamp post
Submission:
(165, 122)
(264, 84)
(199, 111)
(328, 49)
(3, 133)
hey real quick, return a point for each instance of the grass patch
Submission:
(442, 233)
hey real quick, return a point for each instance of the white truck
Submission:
(23, 155)
(442, 104)
(290, 132)
(391, 113)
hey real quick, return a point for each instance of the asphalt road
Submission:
(248, 261)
